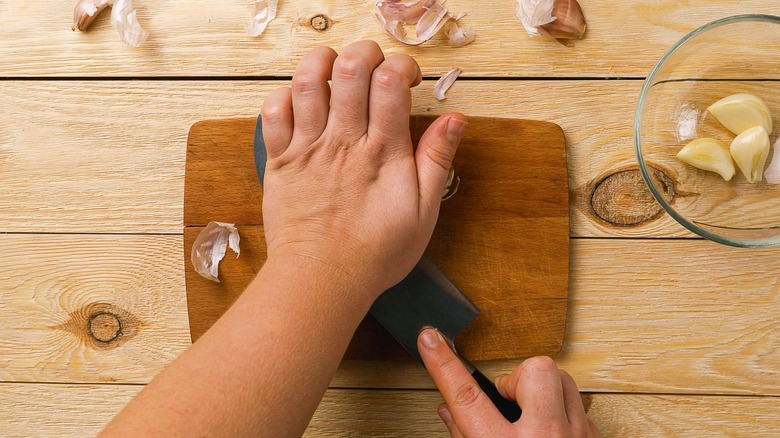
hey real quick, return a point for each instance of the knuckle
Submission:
(388, 77)
(539, 364)
(441, 156)
(467, 394)
(305, 83)
(349, 67)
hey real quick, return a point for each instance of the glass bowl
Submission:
(738, 54)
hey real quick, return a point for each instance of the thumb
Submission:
(435, 153)
(472, 411)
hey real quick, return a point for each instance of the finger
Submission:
(351, 81)
(311, 93)
(435, 153)
(471, 409)
(446, 417)
(572, 400)
(539, 392)
(277, 114)
(390, 100)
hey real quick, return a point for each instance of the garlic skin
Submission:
(562, 19)
(459, 36)
(708, 154)
(750, 150)
(123, 18)
(445, 82)
(403, 11)
(265, 12)
(210, 246)
(740, 112)
(125, 21)
(431, 21)
(86, 11)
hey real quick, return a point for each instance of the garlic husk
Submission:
(86, 11)
(561, 19)
(210, 247)
(265, 11)
(449, 188)
(750, 150)
(405, 12)
(459, 36)
(125, 21)
(708, 154)
(445, 82)
(434, 18)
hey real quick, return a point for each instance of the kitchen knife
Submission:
(425, 298)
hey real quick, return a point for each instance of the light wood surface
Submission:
(79, 410)
(670, 335)
(502, 237)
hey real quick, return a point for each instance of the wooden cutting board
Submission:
(503, 238)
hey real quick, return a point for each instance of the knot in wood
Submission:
(320, 22)
(104, 326)
(623, 199)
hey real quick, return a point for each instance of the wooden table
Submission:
(669, 335)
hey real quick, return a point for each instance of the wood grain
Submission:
(116, 163)
(80, 410)
(503, 238)
(60, 292)
(37, 41)
(642, 317)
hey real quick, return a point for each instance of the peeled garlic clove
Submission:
(708, 154)
(742, 111)
(265, 11)
(561, 19)
(750, 150)
(445, 82)
(406, 12)
(210, 246)
(86, 11)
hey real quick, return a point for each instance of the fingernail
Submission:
(455, 128)
(444, 414)
(430, 338)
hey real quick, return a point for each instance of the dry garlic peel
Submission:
(265, 11)
(210, 247)
(554, 18)
(434, 18)
(406, 12)
(742, 111)
(459, 36)
(708, 154)
(123, 18)
(750, 150)
(445, 82)
(431, 21)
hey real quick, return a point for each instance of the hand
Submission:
(343, 184)
(549, 397)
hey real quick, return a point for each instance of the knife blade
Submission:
(424, 298)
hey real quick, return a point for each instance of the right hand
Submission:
(551, 403)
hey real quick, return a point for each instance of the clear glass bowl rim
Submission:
(643, 168)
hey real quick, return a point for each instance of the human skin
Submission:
(349, 206)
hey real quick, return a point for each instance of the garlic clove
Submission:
(210, 247)
(562, 19)
(750, 150)
(265, 12)
(85, 13)
(742, 111)
(445, 82)
(405, 12)
(708, 154)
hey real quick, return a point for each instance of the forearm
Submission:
(263, 367)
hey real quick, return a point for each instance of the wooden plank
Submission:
(79, 410)
(37, 41)
(99, 308)
(118, 161)
(503, 237)
(642, 317)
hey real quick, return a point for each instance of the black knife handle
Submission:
(508, 408)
